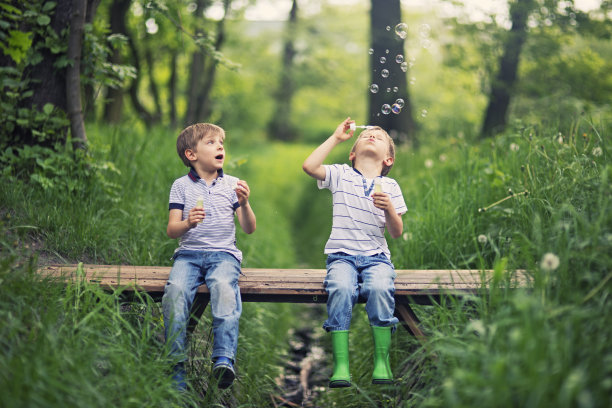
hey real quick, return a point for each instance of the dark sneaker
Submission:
(223, 371)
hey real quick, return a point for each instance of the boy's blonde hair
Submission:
(191, 135)
(373, 129)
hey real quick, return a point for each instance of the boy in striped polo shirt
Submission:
(202, 207)
(365, 201)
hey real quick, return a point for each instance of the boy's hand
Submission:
(341, 131)
(242, 191)
(196, 215)
(382, 201)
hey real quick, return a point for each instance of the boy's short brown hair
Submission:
(191, 135)
(373, 129)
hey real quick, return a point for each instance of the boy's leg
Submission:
(378, 289)
(179, 292)
(222, 273)
(342, 289)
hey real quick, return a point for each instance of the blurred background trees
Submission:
(295, 77)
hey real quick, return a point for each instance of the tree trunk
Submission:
(195, 72)
(501, 89)
(280, 125)
(384, 16)
(73, 73)
(113, 109)
(172, 88)
(89, 92)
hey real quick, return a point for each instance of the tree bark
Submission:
(113, 109)
(73, 73)
(280, 125)
(384, 16)
(495, 119)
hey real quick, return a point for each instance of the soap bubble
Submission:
(386, 109)
(386, 51)
(396, 108)
(384, 73)
(388, 90)
(400, 102)
(424, 30)
(425, 43)
(404, 66)
(411, 61)
(388, 28)
(395, 89)
(374, 88)
(412, 80)
(401, 30)
(399, 58)
(371, 51)
(424, 113)
(383, 60)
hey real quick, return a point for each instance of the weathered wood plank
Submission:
(278, 281)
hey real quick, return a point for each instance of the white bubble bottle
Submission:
(200, 204)
(377, 186)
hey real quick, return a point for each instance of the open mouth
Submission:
(219, 157)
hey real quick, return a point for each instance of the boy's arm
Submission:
(393, 220)
(177, 226)
(246, 216)
(313, 165)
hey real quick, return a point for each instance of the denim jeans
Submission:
(220, 271)
(352, 276)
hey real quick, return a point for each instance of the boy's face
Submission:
(209, 153)
(372, 144)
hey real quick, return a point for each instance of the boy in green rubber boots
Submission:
(365, 201)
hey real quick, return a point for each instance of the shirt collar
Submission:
(193, 175)
(358, 172)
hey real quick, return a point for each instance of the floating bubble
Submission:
(404, 66)
(374, 88)
(388, 90)
(395, 89)
(385, 109)
(411, 62)
(386, 51)
(396, 108)
(400, 102)
(371, 51)
(424, 113)
(384, 73)
(399, 58)
(412, 80)
(425, 43)
(388, 28)
(401, 30)
(383, 60)
(424, 30)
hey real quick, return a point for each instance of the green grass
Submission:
(543, 347)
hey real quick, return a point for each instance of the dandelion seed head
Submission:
(597, 151)
(443, 157)
(549, 262)
(514, 147)
(429, 163)
(482, 239)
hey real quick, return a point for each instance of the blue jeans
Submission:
(220, 271)
(352, 276)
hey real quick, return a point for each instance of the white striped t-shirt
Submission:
(358, 228)
(217, 232)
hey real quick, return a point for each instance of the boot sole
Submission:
(225, 375)
(339, 384)
(381, 381)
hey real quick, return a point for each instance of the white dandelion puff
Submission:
(597, 151)
(429, 163)
(482, 239)
(549, 262)
(514, 147)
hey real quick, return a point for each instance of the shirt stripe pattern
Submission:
(217, 232)
(358, 228)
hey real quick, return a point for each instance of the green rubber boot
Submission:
(382, 368)
(340, 345)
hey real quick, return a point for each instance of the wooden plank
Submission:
(278, 281)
